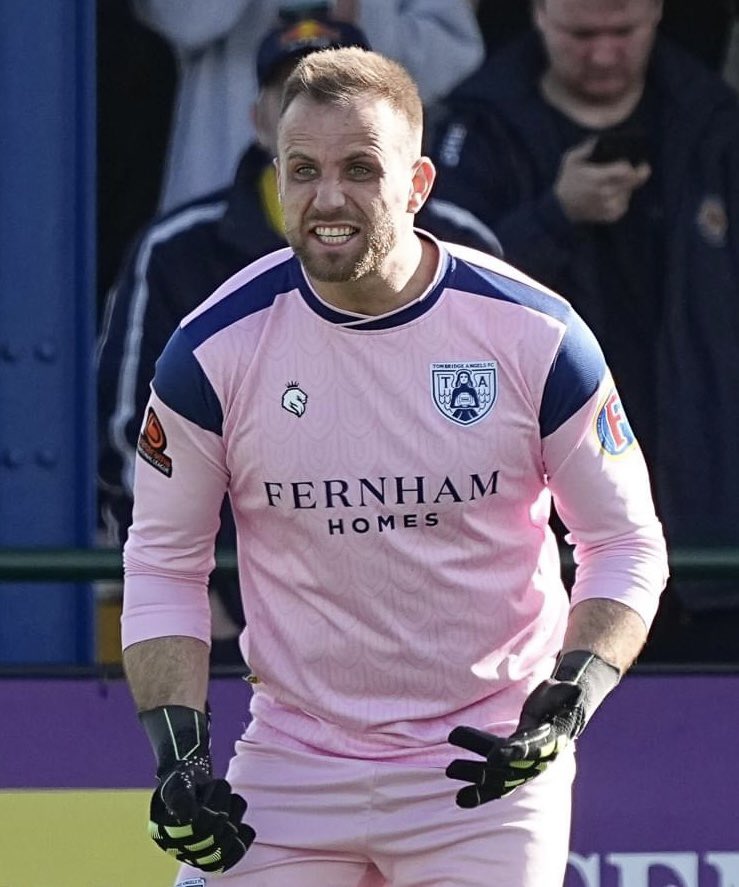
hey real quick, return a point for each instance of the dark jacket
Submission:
(498, 151)
(176, 263)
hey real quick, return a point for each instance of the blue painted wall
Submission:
(47, 314)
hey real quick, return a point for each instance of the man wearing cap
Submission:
(175, 263)
(215, 42)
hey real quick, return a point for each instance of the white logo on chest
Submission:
(294, 399)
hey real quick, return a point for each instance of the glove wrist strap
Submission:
(176, 733)
(594, 675)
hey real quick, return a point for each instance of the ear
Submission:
(424, 175)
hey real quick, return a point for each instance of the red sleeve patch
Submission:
(152, 444)
(612, 426)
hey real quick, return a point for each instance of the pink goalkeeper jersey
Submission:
(391, 480)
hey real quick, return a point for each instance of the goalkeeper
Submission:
(419, 672)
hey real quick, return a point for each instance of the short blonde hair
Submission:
(336, 76)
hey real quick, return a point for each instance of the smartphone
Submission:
(621, 144)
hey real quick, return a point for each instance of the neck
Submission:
(590, 114)
(403, 281)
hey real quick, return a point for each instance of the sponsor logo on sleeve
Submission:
(612, 427)
(464, 392)
(153, 443)
(191, 882)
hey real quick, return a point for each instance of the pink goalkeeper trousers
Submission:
(338, 822)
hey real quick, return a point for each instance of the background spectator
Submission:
(176, 263)
(215, 42)
(701, 28)
(646, 245)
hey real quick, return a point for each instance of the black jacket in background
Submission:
(498, 151)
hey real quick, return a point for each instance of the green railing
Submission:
(74, 564)
(38, 565)
(86, 565)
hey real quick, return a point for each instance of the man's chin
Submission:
(605, 92)
(329, 271)
(322, 275)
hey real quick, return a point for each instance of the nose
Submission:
(329, 194)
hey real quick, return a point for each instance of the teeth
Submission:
(334, 235)
(334, 232)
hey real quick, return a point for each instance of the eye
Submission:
(359, 171)
(304, 172)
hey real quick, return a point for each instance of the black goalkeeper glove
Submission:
(553, 714)
(193, 817)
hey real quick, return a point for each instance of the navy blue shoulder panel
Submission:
(179, 379)
(574, 377)
(255, 295)
(578, 366)
(180, 382)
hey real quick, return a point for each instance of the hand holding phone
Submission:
(621, 144)
(597, 192)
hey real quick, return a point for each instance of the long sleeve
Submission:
(180, 481)
(601, 489)
(140, 317)
(117, 398)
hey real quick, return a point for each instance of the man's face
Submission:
(345, 176)
(598, 49)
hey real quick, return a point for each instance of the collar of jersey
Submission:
(395, 318)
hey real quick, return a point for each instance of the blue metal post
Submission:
(47, 315)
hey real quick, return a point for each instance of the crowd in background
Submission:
(186, 128)
(138, 84)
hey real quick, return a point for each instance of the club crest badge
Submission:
(464, 392)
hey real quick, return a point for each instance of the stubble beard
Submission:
(337, 269)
